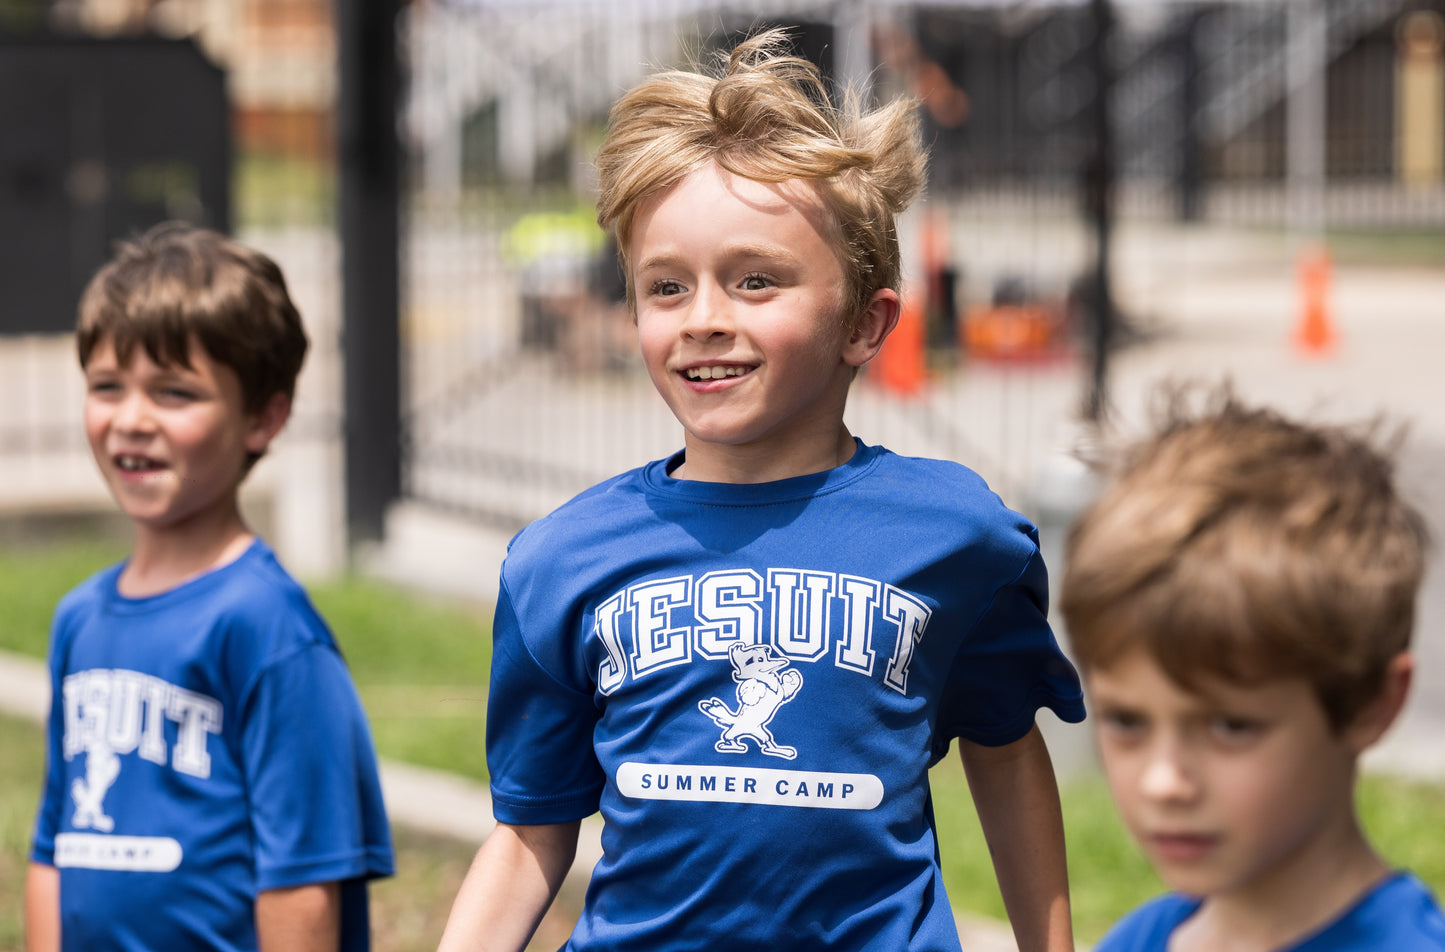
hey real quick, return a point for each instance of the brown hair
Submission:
(1241, 545)
(769, 118)
(177, 282)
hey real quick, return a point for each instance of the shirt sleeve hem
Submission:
(532, 812)
(367, 864)
(1067, 709)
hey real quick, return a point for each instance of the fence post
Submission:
(369, 156)
(1099, 204)
(1191, 143)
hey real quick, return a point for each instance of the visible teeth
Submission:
(714, 373)
(133, 463)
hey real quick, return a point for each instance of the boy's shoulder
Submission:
(253, 594)
(1400, 914)
(1148, 927)
(257, 596)
(95, 587)
(898, 490)
(596, 509)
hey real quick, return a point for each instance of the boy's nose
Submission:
(1167, 775)
(709, 315)
(133, 414)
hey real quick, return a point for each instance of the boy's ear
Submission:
(266, 423)
(873, 327)
(1377, 716)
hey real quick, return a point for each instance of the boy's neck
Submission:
(165, 558)
(712, 463)
(1323, 882)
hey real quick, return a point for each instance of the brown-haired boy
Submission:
(1240, 601)
(211, 782)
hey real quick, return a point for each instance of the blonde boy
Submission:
(210, 782)
(748, 655)
(1240, 602)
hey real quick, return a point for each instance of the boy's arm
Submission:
(301, 918)
(42, 908)
(1017, 799)
(512, 881)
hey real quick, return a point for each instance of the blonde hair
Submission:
(769, 118)
(1241, 545)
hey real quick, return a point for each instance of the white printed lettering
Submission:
(800, 612)
(911, 616)
(655, 645)
(613, 670)
(196, 716)
(729, 603)
(758, 785)
(661, 623)
(860, 600)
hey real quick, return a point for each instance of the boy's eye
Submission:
(665, 288)
(756, 282)
(1122, 723)
(177, 394)
(1234, 729)
(102, 387)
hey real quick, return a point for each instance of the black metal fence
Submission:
(522, 387)
(517, 376)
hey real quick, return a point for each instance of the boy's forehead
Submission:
(709, 190)
(1137, 677)
(126, 350)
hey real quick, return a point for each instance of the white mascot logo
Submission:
(102, 766)
(761, 691)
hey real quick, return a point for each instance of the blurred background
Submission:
(1122, 192)
(1107, 177)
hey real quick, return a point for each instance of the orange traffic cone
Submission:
(1315, 335)
(900, 367)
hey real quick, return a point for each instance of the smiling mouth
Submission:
(131, 463)
(715, 372)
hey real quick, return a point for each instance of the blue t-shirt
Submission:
(1399, 915)
(204, 744)
(751, 681)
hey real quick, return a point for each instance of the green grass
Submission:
(421, 666)
(32, 579)
(1107, 875)
(22, 767)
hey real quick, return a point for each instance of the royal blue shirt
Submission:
(1399, 915)
(751, 682)
(204, 744)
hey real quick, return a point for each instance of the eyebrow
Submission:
(744, 252)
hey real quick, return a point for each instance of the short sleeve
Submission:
(539, 734)
(311, 772)
(52, 796)
(1008, 667)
